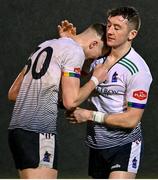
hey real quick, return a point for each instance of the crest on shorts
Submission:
(47, 156)
(134, 163)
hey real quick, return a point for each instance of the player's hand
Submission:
(70, 116)
(81, 115)
(66, 29)
(100, 72)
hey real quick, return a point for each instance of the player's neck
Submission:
(82, 42)
(120, 51)
(79, 40)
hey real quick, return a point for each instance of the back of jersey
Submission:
(36, 104)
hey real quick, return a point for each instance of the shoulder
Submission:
(128, 65)
(134, 63)
(71, 46)
(46, 43)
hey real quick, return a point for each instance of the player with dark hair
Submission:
(32, 130)
(114, 125)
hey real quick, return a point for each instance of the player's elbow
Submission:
(132, 118)
(132, 124)
(11, 96)
(69, 104)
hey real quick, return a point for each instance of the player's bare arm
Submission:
(15, 87)
(73, 95)
(128, 119)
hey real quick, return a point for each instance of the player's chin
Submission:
(110, 43)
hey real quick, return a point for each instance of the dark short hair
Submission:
(129, 13)
(100, 28)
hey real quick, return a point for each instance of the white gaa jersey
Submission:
(36, 105)
(128, 84)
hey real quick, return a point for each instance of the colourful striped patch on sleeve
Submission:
(136, 105)
(71, 74)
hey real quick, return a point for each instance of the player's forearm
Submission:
(73, 95)
(80, 96)
(14, 89)
(84, 92)
(128, 119)
(122, 120)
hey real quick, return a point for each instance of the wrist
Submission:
(95, 80)
(90, 115)
(99, 117)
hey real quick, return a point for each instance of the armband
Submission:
(99, 117)
(95, 80)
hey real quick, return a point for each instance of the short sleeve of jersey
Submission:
(138, 89)
(73, 63)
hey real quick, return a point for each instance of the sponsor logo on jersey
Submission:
(107, 92)
(77, 70)
(114, 77)
(140, 95)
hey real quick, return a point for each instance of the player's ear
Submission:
(132, 34)
(93, 44)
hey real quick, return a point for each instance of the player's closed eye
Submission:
(117, 28)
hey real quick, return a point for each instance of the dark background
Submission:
(26, 23)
